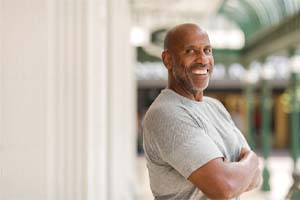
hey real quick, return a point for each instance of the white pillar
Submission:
(67, 100)
(97, 100)
(23, 63)
(66, 106)
(121, 102)
(112, 102)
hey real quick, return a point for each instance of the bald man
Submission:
(192, 147)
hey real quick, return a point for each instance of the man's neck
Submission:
(195, 96)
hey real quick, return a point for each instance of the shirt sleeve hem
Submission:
(201, 163)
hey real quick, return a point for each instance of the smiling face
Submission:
(188, 57)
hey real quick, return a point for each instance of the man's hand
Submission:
(257, 176)
(244, 152)
(255, 181)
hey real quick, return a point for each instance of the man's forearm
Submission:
(242, 174)
(219, 179)
(255, 181)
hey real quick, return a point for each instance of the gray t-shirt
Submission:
(181, 135)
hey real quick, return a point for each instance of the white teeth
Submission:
(200, 71)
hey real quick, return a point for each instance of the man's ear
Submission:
(166, 58)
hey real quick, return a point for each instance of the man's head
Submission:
(188, 57)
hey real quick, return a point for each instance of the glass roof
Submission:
(231, 24)
(253, 16)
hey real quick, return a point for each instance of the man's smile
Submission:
(198, 71)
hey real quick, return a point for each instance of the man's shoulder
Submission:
(163, 109)
(211, 100)
(165, 112)
(214, 102)
(218, 106)
(165, 102)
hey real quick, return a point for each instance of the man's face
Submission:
(192, 60)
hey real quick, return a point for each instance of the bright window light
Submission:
(231, 39)
(139, 36)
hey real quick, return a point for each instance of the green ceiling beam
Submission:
(255, 16)
(244, 16)
(285, 35)
(143, 56)
(227, 56)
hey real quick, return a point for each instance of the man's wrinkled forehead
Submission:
(192, 37)
(185, 34)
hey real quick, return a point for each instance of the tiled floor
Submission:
(280, 165)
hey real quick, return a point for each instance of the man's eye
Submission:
(207, 51)
(190, 51)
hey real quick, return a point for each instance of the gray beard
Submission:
(187, 85)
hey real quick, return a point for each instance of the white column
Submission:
(66, 100)
(121, 103)
(67, 104)
(1, 104)
(97, 83)
(23, 64)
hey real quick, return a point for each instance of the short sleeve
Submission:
(226, 115)
(181, 142)
(243, 140)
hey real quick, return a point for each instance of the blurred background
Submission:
(77, 76)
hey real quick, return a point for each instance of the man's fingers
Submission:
(244, 152)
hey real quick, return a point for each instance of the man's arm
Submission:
(219, 179)
(256, 181)
(257, 176)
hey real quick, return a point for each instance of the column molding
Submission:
(66, 105)
(97, 129)
(121, 103)
(1, 101)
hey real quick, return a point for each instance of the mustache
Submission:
(198, 65)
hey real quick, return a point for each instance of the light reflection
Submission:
(227, 38)
(139, 36)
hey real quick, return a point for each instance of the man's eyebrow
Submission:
(195, 47)
(190, 47)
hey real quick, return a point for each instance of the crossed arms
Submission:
(219, 179)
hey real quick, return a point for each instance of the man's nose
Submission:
(202, 58)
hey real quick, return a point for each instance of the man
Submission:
(192, 147)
